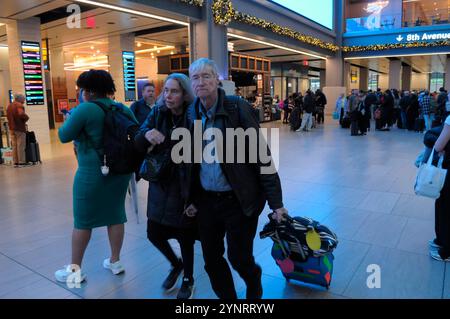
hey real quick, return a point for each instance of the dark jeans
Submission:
(220, 215)
(442, 220)
(159, 235)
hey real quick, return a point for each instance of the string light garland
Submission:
(382, 47)
(224, 13)
(198, 3)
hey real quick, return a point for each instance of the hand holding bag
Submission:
(430, 179)
(335, 116)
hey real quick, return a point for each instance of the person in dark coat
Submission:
(166, 200)
(321, 101)
(141, 109)
(412, 112)
(404, 104)
(387, 109)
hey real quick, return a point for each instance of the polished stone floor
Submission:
(361, 187)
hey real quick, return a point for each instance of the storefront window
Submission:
(436, 81)
(314, 84)
(373, 81)
(394, 14)
(425, 12)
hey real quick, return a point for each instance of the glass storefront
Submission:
(394, 14)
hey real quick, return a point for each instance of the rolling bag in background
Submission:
(32, 152)
(419, 124)
(295, 120)
(302, 249)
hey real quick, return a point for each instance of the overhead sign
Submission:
(32, 73)
(396, 36)
(129, 75)
(425, 36)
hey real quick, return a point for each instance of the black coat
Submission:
(308, 103)
(251, 188)
(166, 200)
(140, 110)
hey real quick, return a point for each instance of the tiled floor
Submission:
(361, 187)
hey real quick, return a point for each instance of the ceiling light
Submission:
(169, 47)
(171, 52)
(158, 51)
(98, 51)
(139, 44)
(155, 47)
(134, 12)
(93, 54)
(275, 45)
(92, 47)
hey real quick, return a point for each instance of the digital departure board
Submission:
(32, 73)
(129, 75)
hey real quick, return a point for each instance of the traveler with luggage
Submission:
(166, 199)
(101, 180)
(17, 119)
(440, 246)
(229, 196)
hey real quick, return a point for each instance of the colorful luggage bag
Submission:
(302, 249)
(315, 270)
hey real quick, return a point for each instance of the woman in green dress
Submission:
(98, 200)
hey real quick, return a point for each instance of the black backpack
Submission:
(120, 129)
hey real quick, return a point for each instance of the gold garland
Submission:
(224, 13)
(382, 47)
(198, 3)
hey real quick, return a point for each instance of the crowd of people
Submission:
(414, 111)
(304, 112)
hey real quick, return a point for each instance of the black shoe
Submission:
(187, 289)
(172, 278)
(255, 291)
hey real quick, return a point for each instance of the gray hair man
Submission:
(228, 196)
(17, 119)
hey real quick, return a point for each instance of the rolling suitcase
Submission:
(295, 119)
(32, 152)
(293, 251)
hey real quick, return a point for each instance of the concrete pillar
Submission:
(447, 74)
(27, 30)
(58, 80)
(363, 79)
(322, 79)
(406, 77)
(395, 68)
(335, 83)
(209, 40)
(117, 44)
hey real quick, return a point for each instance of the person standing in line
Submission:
(308, 108)
(425, 109)
(17, 119)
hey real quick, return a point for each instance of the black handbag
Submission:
(155, 165)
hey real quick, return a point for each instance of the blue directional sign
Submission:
(129, 75)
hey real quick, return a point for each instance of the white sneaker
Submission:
(116, 268)
(70, 274)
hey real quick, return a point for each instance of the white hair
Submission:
(19, 96)
(202, 64)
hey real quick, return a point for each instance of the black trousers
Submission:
(220, 215)
(442, 219)
(159, 235)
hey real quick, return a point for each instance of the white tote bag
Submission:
(430, 179)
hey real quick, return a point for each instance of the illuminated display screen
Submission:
(129, 75)
(32, 73)
(320, 12)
